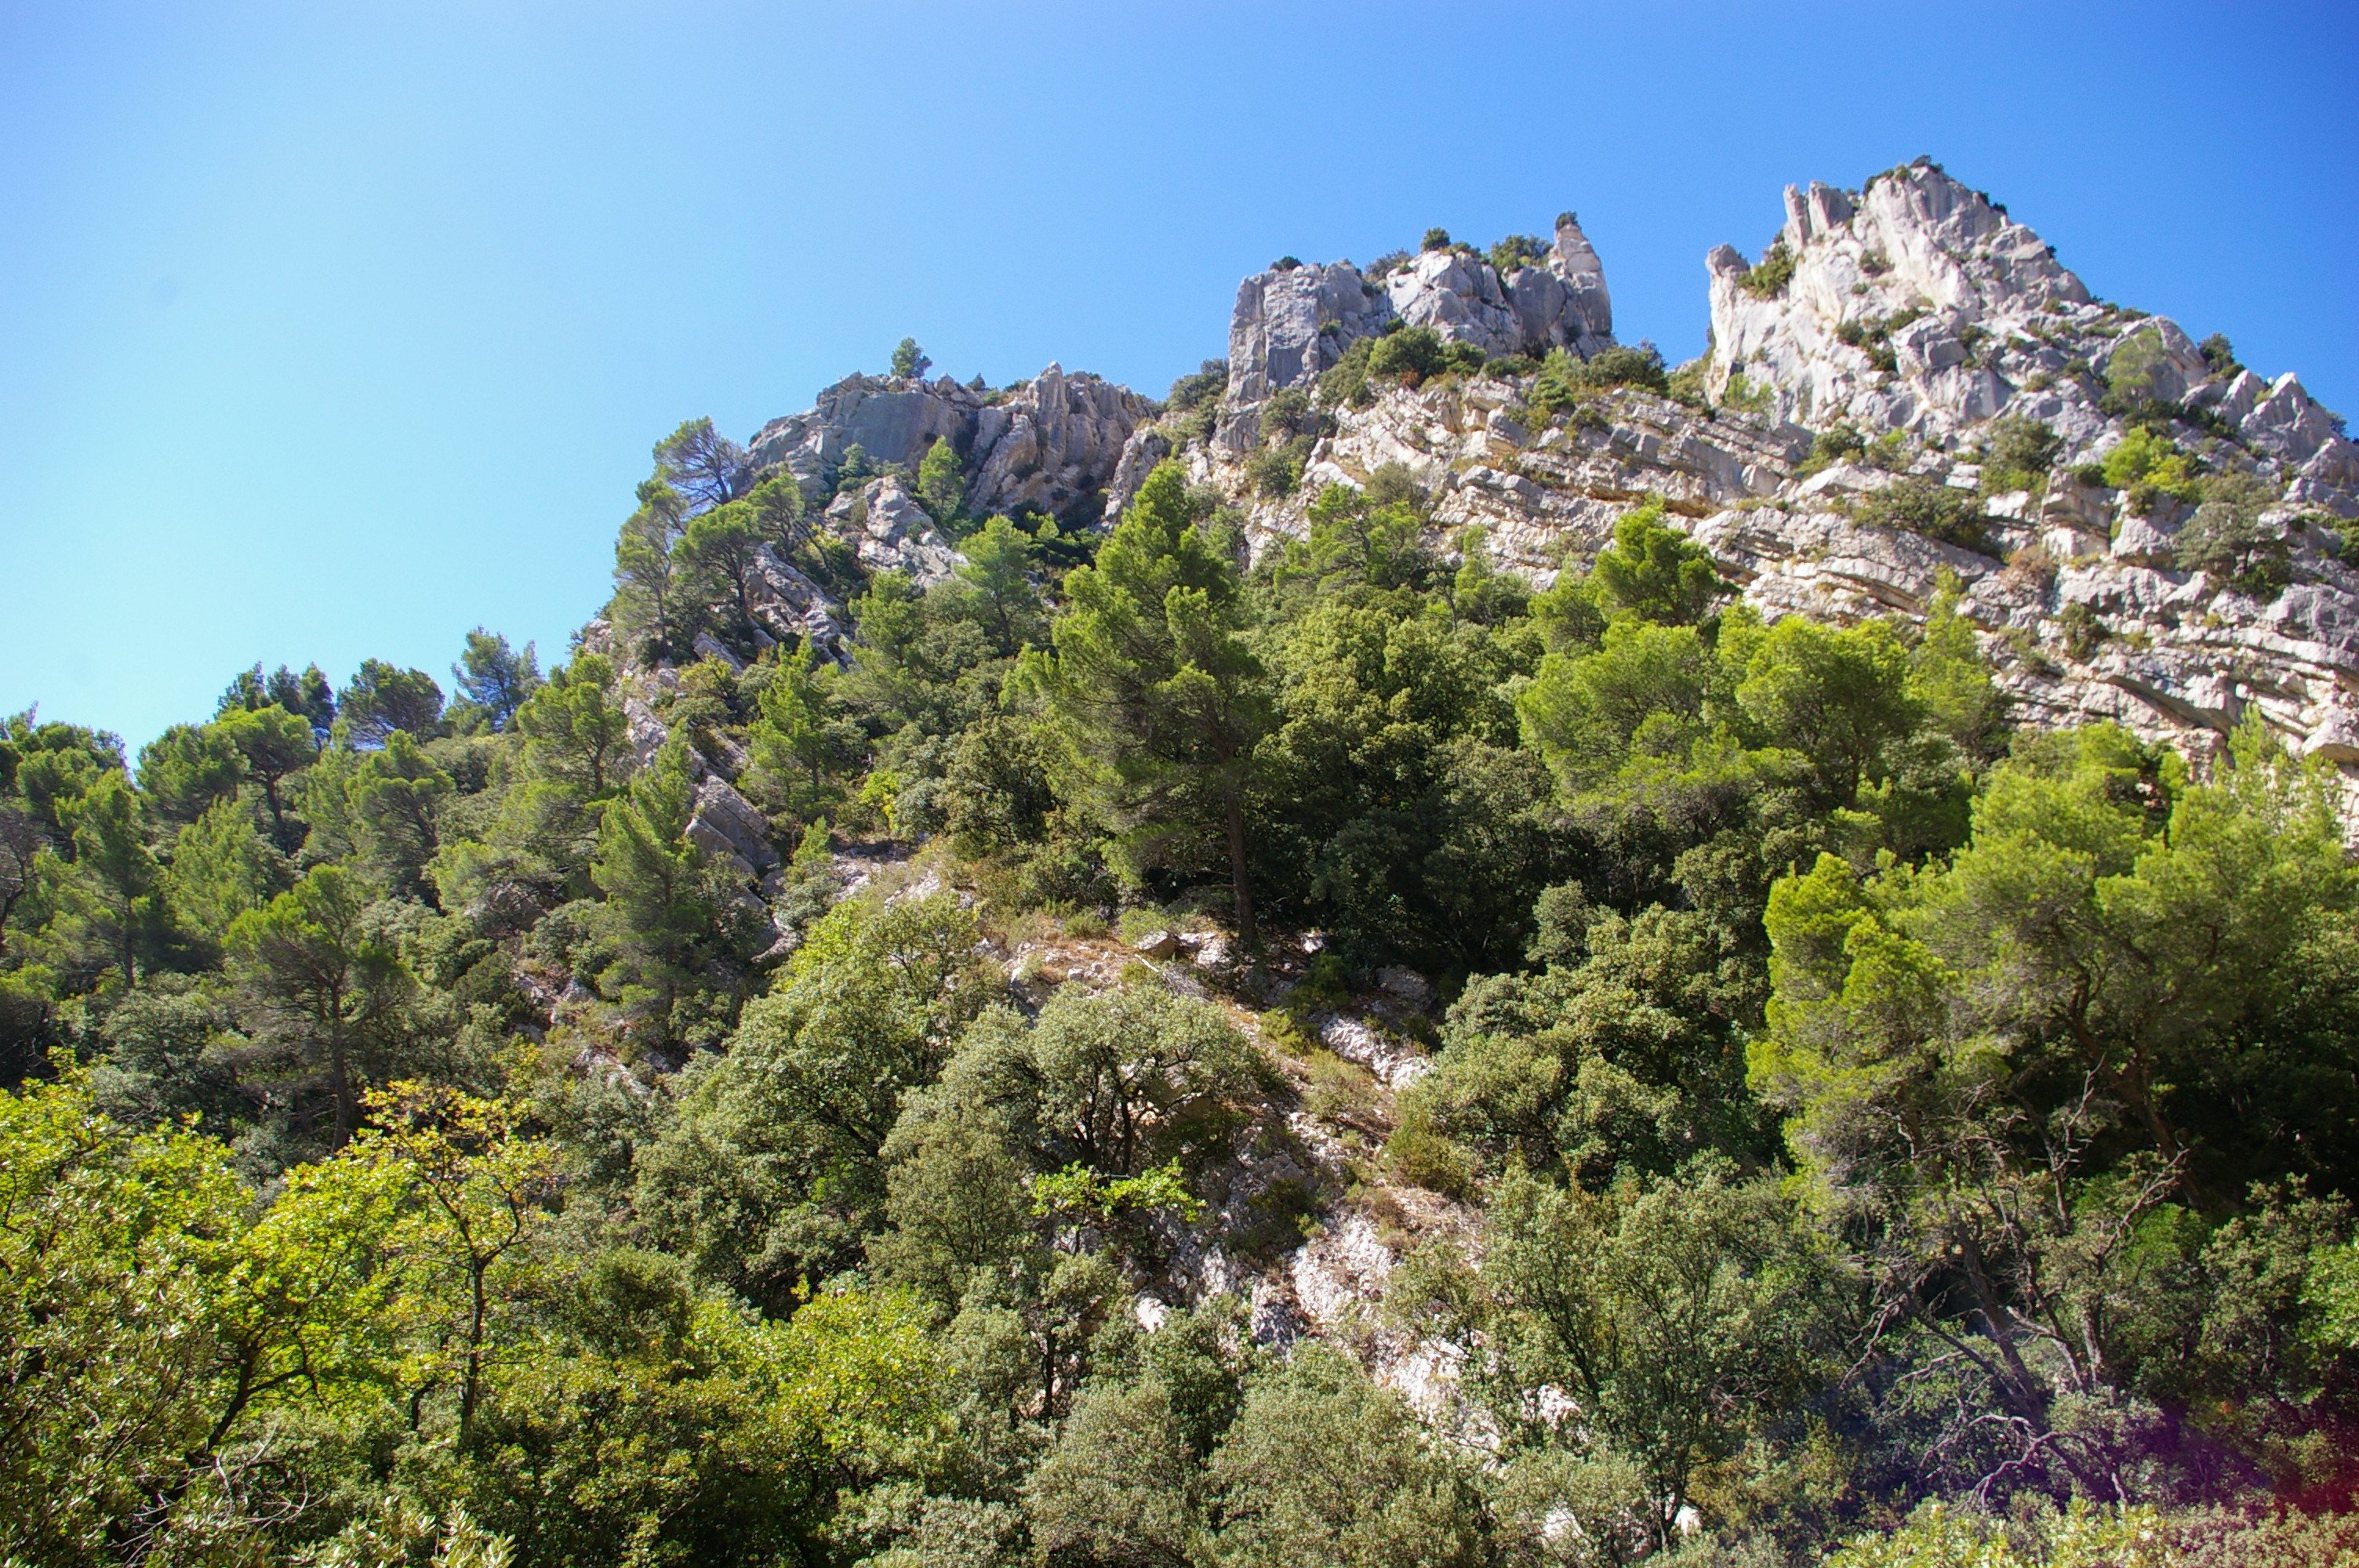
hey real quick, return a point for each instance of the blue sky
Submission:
(329, 331)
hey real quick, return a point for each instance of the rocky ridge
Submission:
(1912, 316)
(1914, 312)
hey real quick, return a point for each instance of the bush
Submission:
(1748, 397)
(1564, 382)
(1872, 335)
(1769, 276)
(2084, 632)
(2149, 466)
(1515, 253)
(2219, 355)
(2018, 454)
(1435, 240)
(1838, 444)
(1925, 506)
(1287, 415)
(1345, 383)
(1423, 1156)
(1274, 471)
(1686, 384)
(2227, 538)
(1209, 382)
(1419, 353)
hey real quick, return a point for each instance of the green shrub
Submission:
(1565, 382)
(1517, 252)
(1770, 275)
(1207, 385)
(2017, 452)
(1839, 443)
(1686, 384)
(2149, 465)
(1926, 506)
(1748, 397)
(2084, 632)
(1435, 239)
(1345, 383)
(1414, 354)
(1287, 415)
(2227, 538)
(1274, 471)
(2219, 355)
(1424, 1156)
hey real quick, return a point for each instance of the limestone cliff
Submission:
(1900, 326)
(1886, 336)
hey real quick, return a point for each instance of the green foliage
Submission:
(908, 360)
(1320, 1465)
(1655, 572)
(2018, 453)
(1156, 697)
(701, 465)
(383, 700)
(1415, 354)
(1927, 506)
(1344, 383)
(1517, 252)
(2054, 1008)
(1205, 384)
(771, 1170)
(1839, 443)
(1768, 276)
(2227, 537)
(2149, 466)
(422, 1139)
(720, 553)
(941, 484)
(1685, 1315)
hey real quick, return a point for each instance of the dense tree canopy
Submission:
(1595, 1075)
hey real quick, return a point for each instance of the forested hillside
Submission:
(953, 1028)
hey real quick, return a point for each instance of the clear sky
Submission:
(330, 331)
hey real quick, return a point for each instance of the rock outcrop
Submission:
(1918, 306)
(1048, 445)
(1295, 321)
(1913, 310)
(1917, 310)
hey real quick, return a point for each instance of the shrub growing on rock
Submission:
(1771, 274)
(1925, 506)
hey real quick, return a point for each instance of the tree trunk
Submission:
(1246, 935)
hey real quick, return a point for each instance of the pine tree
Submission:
(1156, 695)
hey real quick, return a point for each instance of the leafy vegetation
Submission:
(482, 1129)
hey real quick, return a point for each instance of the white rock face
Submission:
(1051, 446)
(893, 419)
(1292, 323)
(1915, 305)
(892, 533)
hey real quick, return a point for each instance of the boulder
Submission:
(2336, 739)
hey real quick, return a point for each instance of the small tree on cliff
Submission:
(1154, 694)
